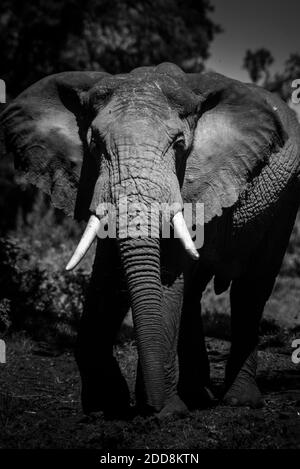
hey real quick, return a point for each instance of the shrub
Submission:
(45, 302)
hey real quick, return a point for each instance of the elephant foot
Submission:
(244, 390)
(243, 393)
(174, 407)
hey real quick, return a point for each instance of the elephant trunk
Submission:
(141, 263)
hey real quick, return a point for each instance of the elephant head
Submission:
(155, 135)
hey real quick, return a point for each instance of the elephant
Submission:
(158, 135)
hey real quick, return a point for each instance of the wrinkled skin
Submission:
(159, 135)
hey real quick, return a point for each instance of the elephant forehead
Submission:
(134, 109)
(159, 87)
(126, 86)
(143, 97)
(142, 76)
(164, 91)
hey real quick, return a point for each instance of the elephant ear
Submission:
(235, 135)
(44, 128)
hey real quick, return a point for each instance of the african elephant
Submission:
(159, 135)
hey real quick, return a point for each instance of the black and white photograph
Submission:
(149, 229)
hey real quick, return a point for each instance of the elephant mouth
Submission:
(96, 224)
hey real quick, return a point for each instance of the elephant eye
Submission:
(179, 143)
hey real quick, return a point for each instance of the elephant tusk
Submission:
(85, 243)
(181, 231)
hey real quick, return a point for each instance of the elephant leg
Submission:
(248, 296)
(103, 386)
(194, 373)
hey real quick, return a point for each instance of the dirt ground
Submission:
(40, 405)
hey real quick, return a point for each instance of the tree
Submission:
(257, 64)
(292, 66)
(281, 83)
(41, 37)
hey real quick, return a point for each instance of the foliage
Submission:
(37, 294)
(281, 82)
(5, 322)
(41, 37)
(257, 64)
(16, 199)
